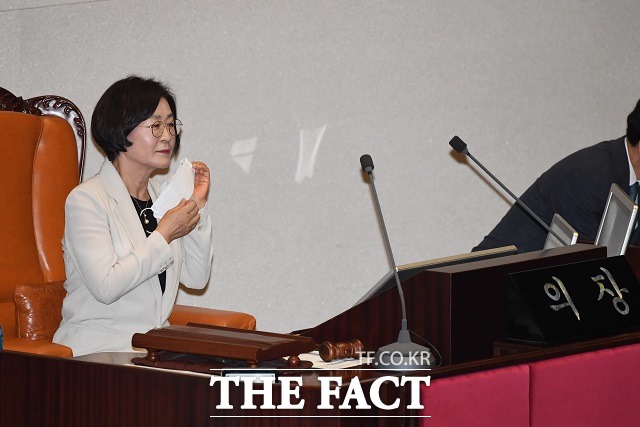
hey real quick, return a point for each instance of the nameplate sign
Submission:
(573, 301)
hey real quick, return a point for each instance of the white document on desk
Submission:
(318, 363)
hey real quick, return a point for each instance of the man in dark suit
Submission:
(576, 187)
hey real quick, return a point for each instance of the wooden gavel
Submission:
(341, 350)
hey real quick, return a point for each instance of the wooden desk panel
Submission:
(46, 391)
(632, 255)
(97, 391)
(460, 309)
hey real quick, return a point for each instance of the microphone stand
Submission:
(457, 144)
(403, 355)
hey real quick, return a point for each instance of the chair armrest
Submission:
(38, 310)
(43, 347)
(183, 314)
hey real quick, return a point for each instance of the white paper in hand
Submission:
(179, 187)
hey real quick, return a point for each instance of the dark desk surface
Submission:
(105, 389)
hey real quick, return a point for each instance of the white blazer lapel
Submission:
(121, 202)
(126, 214)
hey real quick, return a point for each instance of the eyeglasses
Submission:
(157, 129)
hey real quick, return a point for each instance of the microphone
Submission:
(459, 145)
(403, 355)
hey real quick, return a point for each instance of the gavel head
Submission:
(342, 350)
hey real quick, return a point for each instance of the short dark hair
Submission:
(633, 125)
(122, 107)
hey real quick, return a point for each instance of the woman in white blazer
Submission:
(123, 267)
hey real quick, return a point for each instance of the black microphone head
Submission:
(366, 162)
(457, 144)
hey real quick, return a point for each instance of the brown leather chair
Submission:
(43, 142)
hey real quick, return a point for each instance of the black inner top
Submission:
(147, 216)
